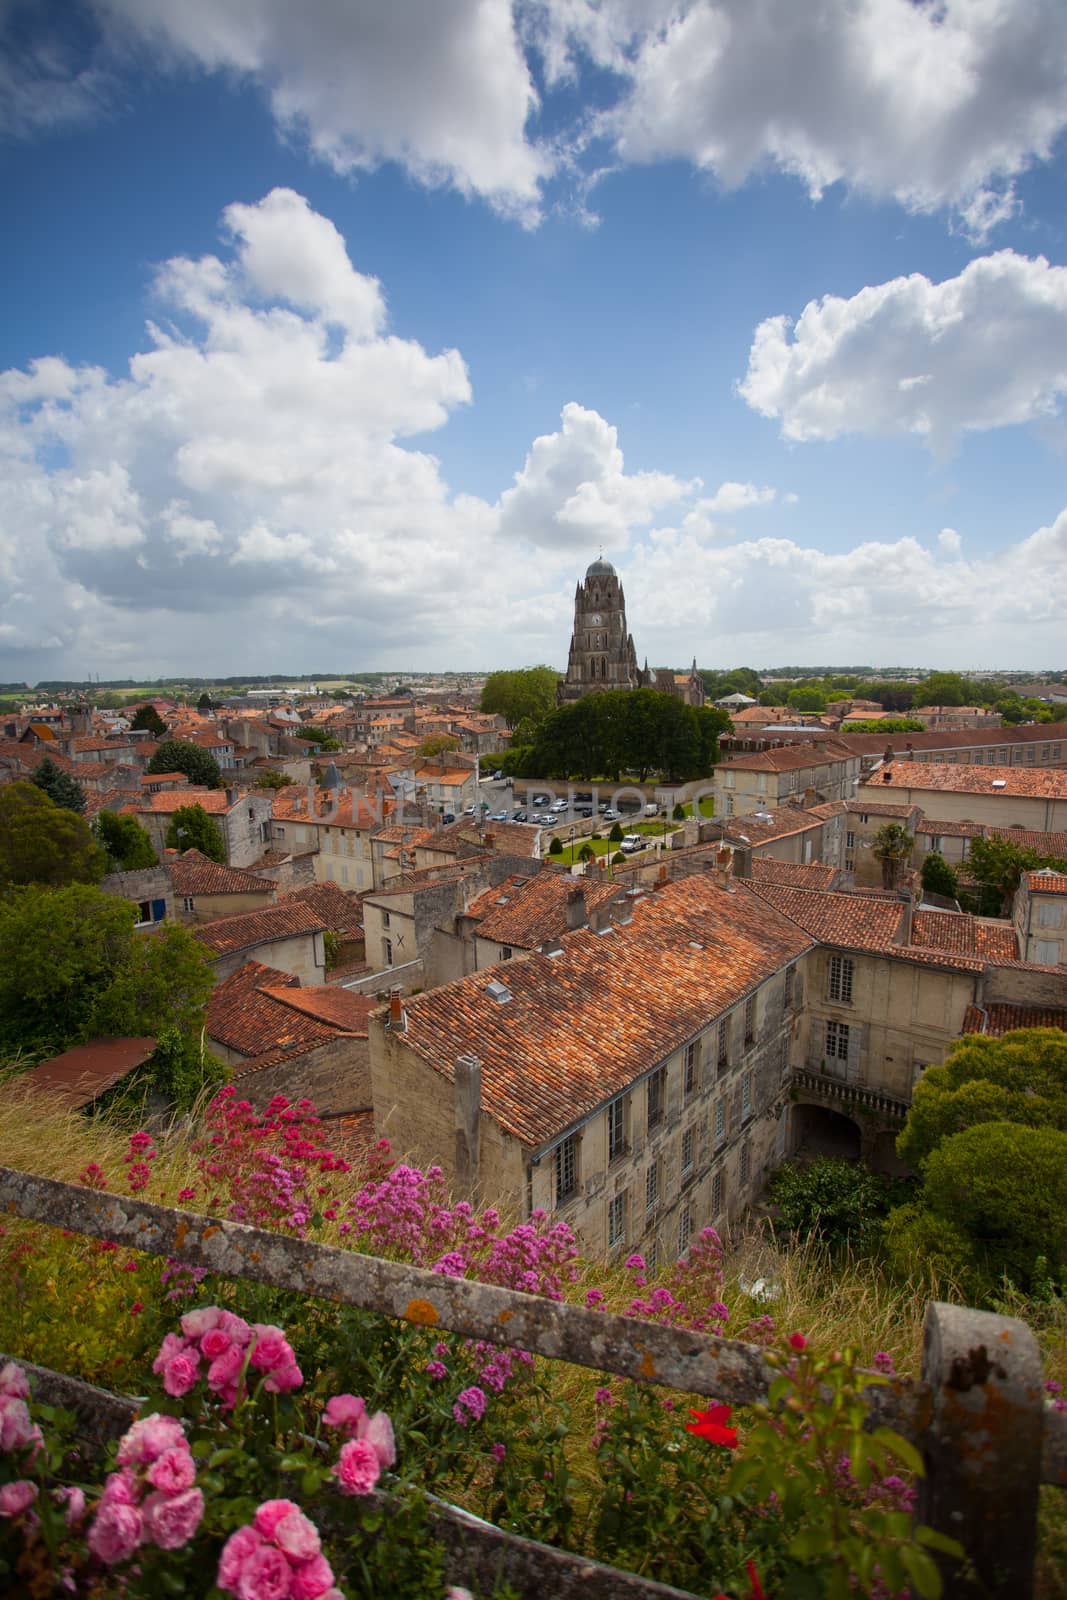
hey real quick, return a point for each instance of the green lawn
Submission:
(707, 806)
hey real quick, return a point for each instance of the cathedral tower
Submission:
(602, 654)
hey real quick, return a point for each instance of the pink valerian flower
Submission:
(883, 1362)
(436, 1370)
(498, 1451)
(17, 1497)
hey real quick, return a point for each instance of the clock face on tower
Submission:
(595, 619)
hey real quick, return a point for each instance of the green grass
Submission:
(707, 806)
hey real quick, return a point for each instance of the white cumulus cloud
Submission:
(982, 350)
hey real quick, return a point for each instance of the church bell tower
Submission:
(602, 654)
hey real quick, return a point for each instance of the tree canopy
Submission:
(72, 968)
(527, 694)
(59, 786)
(892, 846)
(995, 866)
(178, 755)
(636, 731)
(192, 829)
(127, 844)
(436, 744)
(1021, 1077)
(148, 717)
(320, 736)
(270, 778)
(43, 843)
(938, 877)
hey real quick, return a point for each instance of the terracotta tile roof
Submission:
(861, 922)
(788, 758)
(338, 910)
(286, 920)
(1042, 783)
(243, 1017)
(343, 1009)
(351, 1136)
(116, 744)
(193, 873)
(997, 1020)
(879, 808)
(775, 822)
(958, 738)
(80, 1074)
(1046, 881)
(502, 838)
(965, 935)
(426, 877)
(148, 778)
(1046, 844)
(799, 874)
(580, 1026)
(953, 830)
(213, 801)
(524, 912)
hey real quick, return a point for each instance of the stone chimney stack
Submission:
(742, 862)
(723, 864)
(398, 1022)
(467, 1107)
(907, 900)
(577, 916)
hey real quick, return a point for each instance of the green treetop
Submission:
(127, 844)
(528, 694)
(192, 829)
(59, 786)
(43, 843)
(198, 765)
(148, 717)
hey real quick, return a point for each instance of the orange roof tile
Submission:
(192, 873)
(997, 1020)
(1045, 881)
(1043, 783)
(286, 920)
(523, 912)
(800, 874)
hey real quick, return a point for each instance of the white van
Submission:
(632, 842)
(652, 809)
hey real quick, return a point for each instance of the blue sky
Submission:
(343, 336)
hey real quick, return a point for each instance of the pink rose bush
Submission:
(223, 1349)
(369, 1448)
(151, 1499)
(277, 1555)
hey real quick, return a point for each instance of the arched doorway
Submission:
(818, 1131)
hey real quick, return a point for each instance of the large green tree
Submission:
(996, 866)
(192, 829)
(527, 694)
(72, 968)
(149, 718)
(1021, 1077)
(179, 755)
(43, 843)
(127, 844)
(59, 786)
(618, 732)
(892, 846)
(939, 877)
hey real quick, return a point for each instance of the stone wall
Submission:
(302, 954)
(336, 1078)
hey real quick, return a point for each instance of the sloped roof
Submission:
(799, 874)
(287, 920)
(524, 912)
(194, 873)
(996, 1020)
(339, 911)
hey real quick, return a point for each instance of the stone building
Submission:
(602, 654)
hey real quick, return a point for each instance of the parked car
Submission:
(499, 816)
(468, 811)
(518, 816)
(542, 818)
(448, 816)
(541, 800)
(583, 811)
(610, 814)
(632, 842)
(497, 776)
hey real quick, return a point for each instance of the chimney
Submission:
(600, 918)
(231, 797)
(723, 863)
(398, 1022)
(742, 862)
(907, 900)
(577, 916)
(467, 1106)
(622, 910)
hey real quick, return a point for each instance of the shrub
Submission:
(616, 833)
(556, 847)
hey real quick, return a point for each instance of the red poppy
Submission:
(798, 1341)
(757, 1591)
(711, 1425)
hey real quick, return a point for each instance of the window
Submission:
(144, 912)
(691, 1069)
(724, 1042)
(841, 979)
(567, 1169)
(790, 985)
(746, 1095)
(729, 805)
(837, 1041)
(685, 1226)
(850, 863)
(617, 1220)
(387, 950)
(505, 952)
(1047, 952)
(750, 1019)
(718, 1193)
(746, 1162)
(651, 1259)
(863, 818)
(1048, 915)
(850, 841)
(656, 1086)
(687, 1152)
(188, 903)
(617, 1129)
(385, 919)
(652, 1187)
(935, 842)
(720, 1123)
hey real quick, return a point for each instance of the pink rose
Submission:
(16, 1497)
(227, 1367)
(271, 1349)
(265, 1576)
(17, 1427)
(312, 1579)
(235, 1554)
(180, 1374)
(215, 1343)
(196, 1323)
(357, 1469)
(74, 1500)
(378, 1431)
(120, 1489)
(13, 1381)
(115, 1533)
(283, 1380)
(173, 1471)
(170, 1520)
(344, 1411)
(150, 1437)
(236, 1327)
(173, 1345)
(298, 1538)
(270, 1513)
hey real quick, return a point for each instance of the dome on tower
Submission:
(600, 569)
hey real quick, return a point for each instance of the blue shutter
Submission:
(159, 910)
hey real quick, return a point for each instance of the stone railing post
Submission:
(983, 1447)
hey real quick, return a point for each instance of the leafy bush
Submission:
(840, 1202)
(556, 847)
(616, 833)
